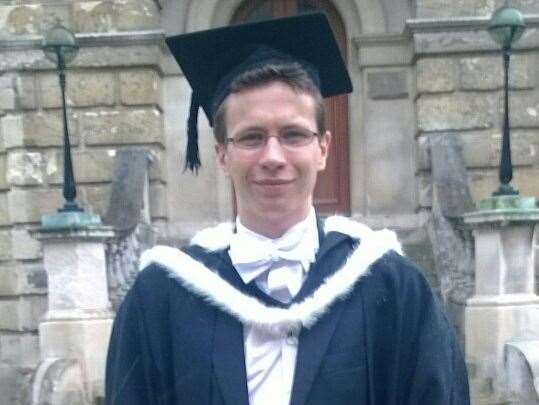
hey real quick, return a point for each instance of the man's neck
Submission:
(271, 227)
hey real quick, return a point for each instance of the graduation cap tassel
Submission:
(192, 158)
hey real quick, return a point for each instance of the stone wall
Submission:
(114, 100)
(459, 75)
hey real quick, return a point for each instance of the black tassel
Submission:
(192, 158)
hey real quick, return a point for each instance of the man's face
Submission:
(272, 183)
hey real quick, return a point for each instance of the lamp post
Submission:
(506, 26)
(60, 47)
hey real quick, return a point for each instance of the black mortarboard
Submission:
(212, 59)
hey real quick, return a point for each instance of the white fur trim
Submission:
(196, 277)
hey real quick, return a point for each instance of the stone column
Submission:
(78, 322)
(504, 307)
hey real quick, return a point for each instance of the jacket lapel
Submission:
(313, 343)
(228, 351)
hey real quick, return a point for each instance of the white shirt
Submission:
(270, 360)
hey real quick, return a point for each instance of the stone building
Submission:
(421, 69)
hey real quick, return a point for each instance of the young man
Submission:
(281, 307)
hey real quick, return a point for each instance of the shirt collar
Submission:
(305, 230)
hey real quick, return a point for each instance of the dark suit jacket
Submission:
(385, 342)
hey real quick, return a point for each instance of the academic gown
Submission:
(369, 329)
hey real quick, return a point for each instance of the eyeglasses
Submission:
(291, 138)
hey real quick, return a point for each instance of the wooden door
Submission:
(332, 192)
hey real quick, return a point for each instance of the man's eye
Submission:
(250, 138)
(294, 137)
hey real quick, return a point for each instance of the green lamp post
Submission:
(60, 47)
(506, 27)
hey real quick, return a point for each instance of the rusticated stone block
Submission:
(24, 168)
(3, 168)
(21, 350)
(93, 16)
(454, 112)
(26, 91)
(28, 206)
(158, 201)
(24, 20)
(481, 149)
(27, 246)
(486, 73)
(83, 89)
(136, 55)
(122, 127)
(97, 198)
(436, 75)
(5, 246)
(22, 314)
(4, 212)
(12, 382)
(424, 188)
(18, 279)
(139, 87)
(485, 182)
(7, 99)
(36, 129)
(455, 8)
(385, 85)
(136, 14)
(158, 166)
(524, 108)
(89, 166)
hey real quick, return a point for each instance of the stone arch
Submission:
(204, 14)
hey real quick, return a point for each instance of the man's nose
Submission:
(272, 154)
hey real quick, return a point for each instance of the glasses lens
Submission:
(296, 137)
(250, 140)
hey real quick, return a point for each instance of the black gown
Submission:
(382, 339)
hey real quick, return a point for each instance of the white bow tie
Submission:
(289, 256)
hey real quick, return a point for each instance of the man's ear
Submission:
(324, 143)
(221, 157)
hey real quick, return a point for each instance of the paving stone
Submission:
(134, 15)
(93, 16)
(122, 127)
(29, 205)
(139, 87)
(486, 73)
(83, 89)
(24, 168)
(436, 75)
(455, 112)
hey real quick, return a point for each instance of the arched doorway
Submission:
(332, 193)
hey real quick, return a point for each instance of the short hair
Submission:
(292, 74)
